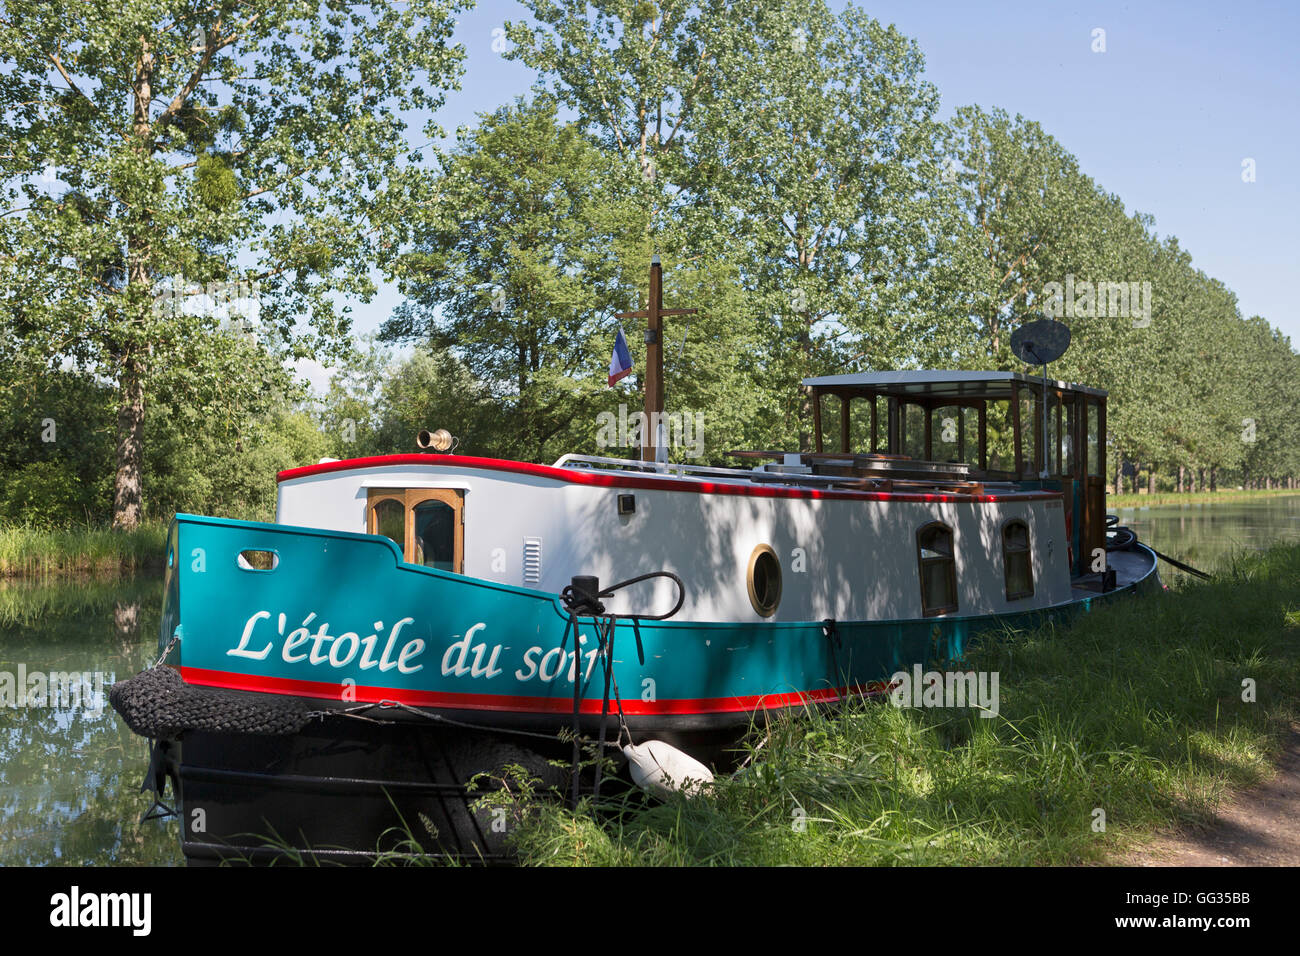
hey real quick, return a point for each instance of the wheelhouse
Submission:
(962, 430)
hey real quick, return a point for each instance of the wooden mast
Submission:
(654, 357)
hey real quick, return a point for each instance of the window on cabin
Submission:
(912, 427)
(435, 535)
(860, 425)
(938, 569)
(428, 524)
(1053, 434)
(945, 433)
(955, 434)
(1067, 435)
(1000, 430)
(1031, 431)
(1016, 560)
(389, 519)
(764, 580)
(1094, 438)
(831, 413)
(880, 433)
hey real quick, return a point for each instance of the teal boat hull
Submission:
(464, 676)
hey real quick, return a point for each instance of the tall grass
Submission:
(1136, 711)
(28, 551)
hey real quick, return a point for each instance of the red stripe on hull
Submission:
(607, 480)
(514, 703)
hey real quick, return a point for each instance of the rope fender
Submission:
(158, 704)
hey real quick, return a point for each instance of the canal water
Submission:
(70, 771)
(1209, 536)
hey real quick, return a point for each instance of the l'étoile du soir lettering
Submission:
(463, 657)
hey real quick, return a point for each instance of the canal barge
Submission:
(334, 680)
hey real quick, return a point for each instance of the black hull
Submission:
(347, 792)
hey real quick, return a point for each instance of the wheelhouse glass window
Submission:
(1053, 434)
(1031, 432)
(1094, 438)
(937, 564)
(912, 426)
(1001, 437)
(1016, 560)
(832, 410)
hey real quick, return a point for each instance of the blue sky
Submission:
(1165, 117)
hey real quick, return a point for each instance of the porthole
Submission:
(764, 580)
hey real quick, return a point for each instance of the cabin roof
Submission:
(955, 384)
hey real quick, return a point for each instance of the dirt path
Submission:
(1260, 827)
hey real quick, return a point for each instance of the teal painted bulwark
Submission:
(340, 617)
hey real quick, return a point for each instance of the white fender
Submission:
(662, 770)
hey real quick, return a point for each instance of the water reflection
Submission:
(1207, 535)
(70, 770)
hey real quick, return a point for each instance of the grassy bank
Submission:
(37, 552)
(1199, 498)
(1136, 711)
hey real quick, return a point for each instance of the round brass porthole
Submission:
(764, 580)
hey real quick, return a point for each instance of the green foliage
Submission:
(235, 142)
(829, 224)
(56, 445)
(41, 493)
(513, 268)
(199, 471)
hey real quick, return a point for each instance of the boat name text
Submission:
(302, 645)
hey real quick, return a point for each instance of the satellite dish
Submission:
(1040, 341)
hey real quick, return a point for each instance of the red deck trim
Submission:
(605, 479)
(561, 704)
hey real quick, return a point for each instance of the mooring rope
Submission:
(582, 598)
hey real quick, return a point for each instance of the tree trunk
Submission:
(1214, 474)
(132, 355)
(1181, 473)
(130, 446)
(1151, 479)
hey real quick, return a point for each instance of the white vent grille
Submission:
(532, 560)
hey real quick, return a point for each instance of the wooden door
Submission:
(427, 523)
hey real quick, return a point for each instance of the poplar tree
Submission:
(153, 148)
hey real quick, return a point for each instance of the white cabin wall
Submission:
(860, 555)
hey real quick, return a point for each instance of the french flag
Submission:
(620, 363)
